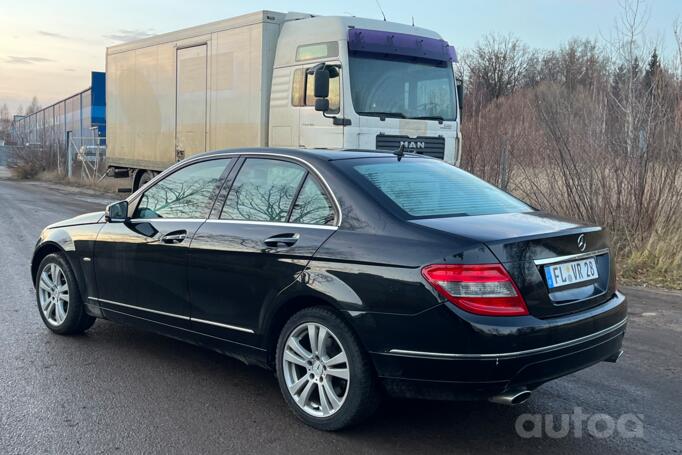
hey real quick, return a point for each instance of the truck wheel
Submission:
(59, 300)
(324, 373)
(144, 179)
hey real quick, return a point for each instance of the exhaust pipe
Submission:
(511, 398)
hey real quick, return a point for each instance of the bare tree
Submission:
(5, 122)
(590, 130)
(614, 155)
(498, 64)
(33, 107)
(677, 32)
(629, 52)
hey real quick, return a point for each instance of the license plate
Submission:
(571, 272)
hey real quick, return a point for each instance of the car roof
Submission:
(320, 154)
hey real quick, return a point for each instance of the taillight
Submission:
(485, 289)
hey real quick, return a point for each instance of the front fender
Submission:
(76, 244)
(51, 241)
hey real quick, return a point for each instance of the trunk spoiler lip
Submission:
(584, 229)
(570, 257)
(492, 238)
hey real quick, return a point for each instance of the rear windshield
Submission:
(423, 188)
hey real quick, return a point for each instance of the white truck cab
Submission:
(393, 85)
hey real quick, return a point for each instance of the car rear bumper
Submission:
(556, 348)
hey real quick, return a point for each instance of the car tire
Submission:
(356, 398)
(58, 297)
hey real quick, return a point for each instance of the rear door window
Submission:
(263, 190)
(312, 205)
(424, 188)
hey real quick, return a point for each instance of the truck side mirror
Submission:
(321, 83)
(321, 104)
(460, 94)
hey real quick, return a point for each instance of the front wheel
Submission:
(59, 300)
(323, 372)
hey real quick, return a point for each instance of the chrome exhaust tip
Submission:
(511, 398)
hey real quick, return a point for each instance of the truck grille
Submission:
(424, 145)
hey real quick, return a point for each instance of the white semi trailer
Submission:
(250, 81)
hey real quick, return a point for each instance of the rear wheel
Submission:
(323, 372)
(59, 300)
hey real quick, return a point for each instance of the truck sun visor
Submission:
(380, 42)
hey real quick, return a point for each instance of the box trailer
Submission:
(249, 81)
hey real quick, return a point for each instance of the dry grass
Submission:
(657, 263)
(655, 260)
(107, 185)
(27, 162)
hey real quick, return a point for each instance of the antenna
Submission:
(381, 9)
(400, 153)
(412, 21)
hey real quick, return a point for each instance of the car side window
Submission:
(263, 190)
(312, 205)
(187, 193)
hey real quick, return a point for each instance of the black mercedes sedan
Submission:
(351, 274)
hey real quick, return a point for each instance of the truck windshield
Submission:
(402, 88)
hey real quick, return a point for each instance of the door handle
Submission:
(282, 239)
(174, 237)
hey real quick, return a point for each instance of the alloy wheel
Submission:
(53, 294)
(316, 369)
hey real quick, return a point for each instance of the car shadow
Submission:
(216, 382)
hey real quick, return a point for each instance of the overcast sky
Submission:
(48, 48)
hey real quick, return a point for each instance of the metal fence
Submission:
(4, 151)
(81, 158)
(86, 156)
(81, 114)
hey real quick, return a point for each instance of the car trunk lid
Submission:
(531, 245)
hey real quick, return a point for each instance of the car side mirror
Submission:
(116, 212)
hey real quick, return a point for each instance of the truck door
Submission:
(316, 130)
(191, 101)
(284, 116)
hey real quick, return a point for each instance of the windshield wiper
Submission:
(429, 117)
(383, 114)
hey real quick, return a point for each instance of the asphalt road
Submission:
(121, 390)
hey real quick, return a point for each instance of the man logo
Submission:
(582, 244)
(413, 145)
